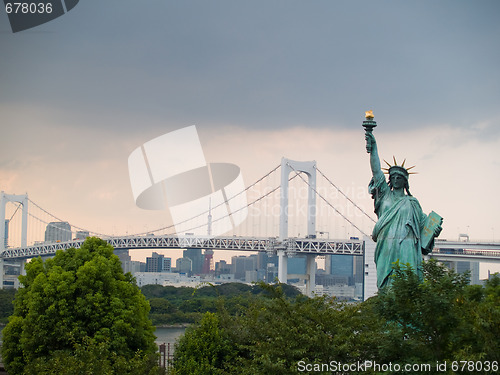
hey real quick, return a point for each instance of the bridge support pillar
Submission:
(311, 274)
(309, 168)
(22, 269)
(23, 199)
(282, 267)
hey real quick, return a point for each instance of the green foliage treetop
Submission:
(79, 299)
(416, 320)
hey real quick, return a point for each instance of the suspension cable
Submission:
(242, 208)
(17, 209)
(328, 203)
(74, 226)
(49, 224)
(207, 211)
(166, 227)
(225, 202)
(349, 199)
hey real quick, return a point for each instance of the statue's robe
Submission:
(397, 232)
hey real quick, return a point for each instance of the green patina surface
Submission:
(403, 232)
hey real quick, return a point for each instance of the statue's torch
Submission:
(369, 124)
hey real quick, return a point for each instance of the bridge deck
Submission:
(268, 244)
(443, 250)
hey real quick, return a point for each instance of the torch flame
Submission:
(369, 114)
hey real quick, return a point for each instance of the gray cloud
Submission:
(261, 63)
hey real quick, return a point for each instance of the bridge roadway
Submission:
(269, 244)
(443, 250)
(461, 251)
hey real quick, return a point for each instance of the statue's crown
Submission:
(398, 169)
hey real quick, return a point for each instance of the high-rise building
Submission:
(341, 265)
(262, 260)
(208, 263)
(196, 258)
(241, 264)
(222, 268)
(184, 265)
(238, 266)
(58, 231)
(167, 265)
(472, 267)
(297, 265)
(328, 280)
(82, 234)
(251, 263)
(123, 255)
(158, 263)
(133, 266)
(370, 276)
(359, 269)
(271, 272)
(154, 262)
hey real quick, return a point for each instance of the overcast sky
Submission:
(260, 80)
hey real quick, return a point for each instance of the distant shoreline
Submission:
(177, 325)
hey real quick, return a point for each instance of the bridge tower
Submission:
(23, 200)
(309, 168)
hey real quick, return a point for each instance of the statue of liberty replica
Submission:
(403, 233)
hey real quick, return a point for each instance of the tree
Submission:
(484, 311)
(276, 333)
(279, 333)
(204, 350)
(78, 302)
(440, 318)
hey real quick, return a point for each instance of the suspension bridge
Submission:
(289, 198)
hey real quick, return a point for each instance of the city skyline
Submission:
(260, 80)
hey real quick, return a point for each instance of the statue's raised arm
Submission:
(371, 148)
